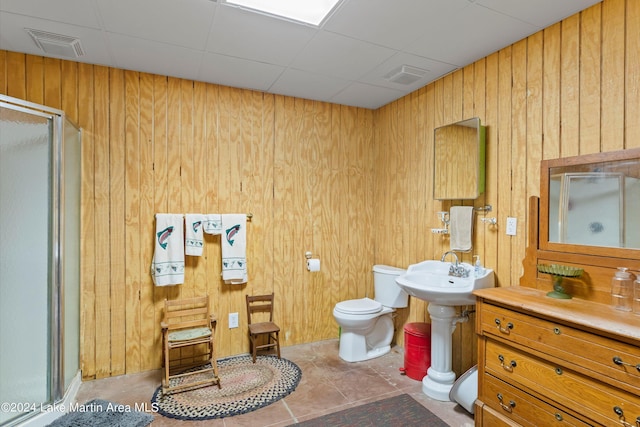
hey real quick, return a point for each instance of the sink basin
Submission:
(430, 281)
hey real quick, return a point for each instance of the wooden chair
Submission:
(265, 327)
(188, 330)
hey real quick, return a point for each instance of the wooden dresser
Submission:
(547, 362)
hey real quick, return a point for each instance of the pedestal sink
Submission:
(430, 281)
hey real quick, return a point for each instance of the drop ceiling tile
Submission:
(133, 53)
(184, 23)
(13, 37)
(245, 34)
(77, 12)
(391, 24)
(536, 12)
(237, 72)
(303, 84)
(473, 33)
(339, 56)
(366, 96)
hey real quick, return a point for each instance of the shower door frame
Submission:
(56, 380)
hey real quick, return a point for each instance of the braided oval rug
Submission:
(245, 387)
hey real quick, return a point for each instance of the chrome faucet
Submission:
(449, 253)
(455, 269)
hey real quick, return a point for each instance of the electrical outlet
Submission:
(233, 320)
(512, 225)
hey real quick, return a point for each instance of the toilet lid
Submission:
(359, 306)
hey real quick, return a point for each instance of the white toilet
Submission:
(366, 324)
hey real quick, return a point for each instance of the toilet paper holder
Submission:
(313, 264)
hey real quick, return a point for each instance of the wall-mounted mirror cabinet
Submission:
(459, 160)
(592, 203)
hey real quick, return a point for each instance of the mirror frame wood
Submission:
(545, 171)
(451, 177)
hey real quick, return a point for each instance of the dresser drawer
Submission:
(598, 401)
(489, 417)
(611, 361)
(523, 408)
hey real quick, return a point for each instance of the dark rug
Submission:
(246, 386)
(103, 413)
(398, 411)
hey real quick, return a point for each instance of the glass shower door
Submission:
(70, 218)
(25, 260)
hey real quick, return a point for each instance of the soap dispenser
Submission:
(477, 269)
(622, 290)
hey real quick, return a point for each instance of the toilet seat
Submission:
(359, 306)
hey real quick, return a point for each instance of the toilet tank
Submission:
(386, 290)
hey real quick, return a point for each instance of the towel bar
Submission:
(486, 208)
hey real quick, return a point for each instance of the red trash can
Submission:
(417, 350)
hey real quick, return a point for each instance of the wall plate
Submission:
(233, 320)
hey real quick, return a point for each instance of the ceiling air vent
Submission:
(56, 44)
(405, 75)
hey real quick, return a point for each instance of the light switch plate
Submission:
(233, 320)
(512, 225)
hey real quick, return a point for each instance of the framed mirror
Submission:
(459, 160)
(591, 203)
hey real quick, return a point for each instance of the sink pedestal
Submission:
(440, 377)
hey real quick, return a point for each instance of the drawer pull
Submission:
(559, 371)
(558, 416)
(502, 329)
(618, 361)
(508, 367)
(557, 331)
(620, 413)
(509, 407)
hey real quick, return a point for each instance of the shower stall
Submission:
(40, 167)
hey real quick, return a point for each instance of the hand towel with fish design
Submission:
(213, 224)
(234, 248)
(193, 224)
(167, 267)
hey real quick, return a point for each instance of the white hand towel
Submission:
(213, 224)
(461, 228)
(167, 267)
(193, 234)
(234, 248)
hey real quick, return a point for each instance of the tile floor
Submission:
(328, 384)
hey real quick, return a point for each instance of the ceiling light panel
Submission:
(312, 12)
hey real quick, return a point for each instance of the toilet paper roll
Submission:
(313, 264)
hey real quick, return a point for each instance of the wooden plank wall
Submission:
(157, 144)
(351, 185)
(557, 93)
